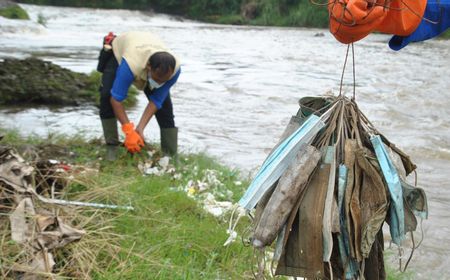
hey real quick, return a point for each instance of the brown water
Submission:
(240, 85)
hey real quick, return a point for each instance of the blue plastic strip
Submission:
(397, 215)
(278, 161)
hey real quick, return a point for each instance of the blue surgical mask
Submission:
(153, 84)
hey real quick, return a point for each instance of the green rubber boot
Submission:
(169, 141)
(111, 138)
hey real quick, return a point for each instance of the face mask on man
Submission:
(153, 84)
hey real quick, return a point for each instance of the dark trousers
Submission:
(164, 115)
(109, 74)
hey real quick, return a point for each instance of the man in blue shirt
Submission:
(138, 58)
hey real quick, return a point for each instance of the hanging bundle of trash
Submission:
(325, 191)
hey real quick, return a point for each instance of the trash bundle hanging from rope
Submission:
(325, 190)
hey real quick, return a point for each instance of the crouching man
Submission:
(141, 59)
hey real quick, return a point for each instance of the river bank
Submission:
(176, 229)
(299, 13)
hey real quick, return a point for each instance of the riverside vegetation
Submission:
(255, 12)
(294, 13)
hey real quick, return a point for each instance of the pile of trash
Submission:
(155, 165)
(325, 191)
(39, 229)
(206, 186)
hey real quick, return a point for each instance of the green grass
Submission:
(445, 35)
(169, 235)
(172, 238)
(397, 275)
(14, 12)
(394, 274)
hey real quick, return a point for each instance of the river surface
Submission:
(240, 85)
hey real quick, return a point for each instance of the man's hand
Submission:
(133, 141)
(140, 132)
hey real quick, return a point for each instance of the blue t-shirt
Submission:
(124, 79)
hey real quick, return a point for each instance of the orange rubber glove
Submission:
(133, 142)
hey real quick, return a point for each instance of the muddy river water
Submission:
(240, 85)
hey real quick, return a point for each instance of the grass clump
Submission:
(445, 35)
(14, 12)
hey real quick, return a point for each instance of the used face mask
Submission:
(153, 84)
